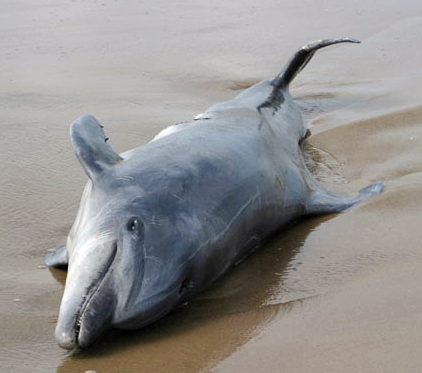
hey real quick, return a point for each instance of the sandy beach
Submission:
(337, 293)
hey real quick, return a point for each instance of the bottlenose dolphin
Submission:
(159, 223)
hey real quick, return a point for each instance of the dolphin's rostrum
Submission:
(159, 223)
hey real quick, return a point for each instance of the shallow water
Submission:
(340, 293)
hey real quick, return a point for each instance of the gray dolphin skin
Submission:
(159, 223)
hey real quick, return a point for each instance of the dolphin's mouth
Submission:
(92, 290)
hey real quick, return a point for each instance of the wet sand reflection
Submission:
(212, 325)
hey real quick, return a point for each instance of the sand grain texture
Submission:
(339, 293)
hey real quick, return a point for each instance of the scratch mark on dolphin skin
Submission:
(125, 178)
(154, 258)
(144, 279)
(154, 221)
(257, 196)
(99, 239)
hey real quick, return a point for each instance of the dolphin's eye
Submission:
(134, 225)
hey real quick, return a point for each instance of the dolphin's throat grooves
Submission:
(90, 293)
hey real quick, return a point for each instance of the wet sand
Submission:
(339, 293)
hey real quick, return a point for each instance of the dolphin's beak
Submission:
(89, 300)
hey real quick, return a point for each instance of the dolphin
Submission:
(159, 223)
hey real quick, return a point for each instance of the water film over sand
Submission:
(339, 293)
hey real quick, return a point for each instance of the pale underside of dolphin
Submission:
(159, 223)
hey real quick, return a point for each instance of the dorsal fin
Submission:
(301, 58)
(90, 145)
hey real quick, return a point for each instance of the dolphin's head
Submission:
(128, 264)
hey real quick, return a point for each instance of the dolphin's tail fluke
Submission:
(301, 58)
